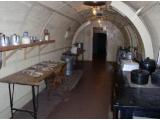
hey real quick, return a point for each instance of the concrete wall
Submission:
(17, 17)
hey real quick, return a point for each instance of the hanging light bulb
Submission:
(104, 28)
(99, 21)
(94, 11)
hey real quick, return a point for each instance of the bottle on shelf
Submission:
(46, 34)
(26, 38)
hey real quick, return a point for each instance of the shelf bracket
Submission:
(6, 57)
(27, 51)
(42, 47)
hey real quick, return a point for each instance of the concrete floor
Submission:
(90, 99)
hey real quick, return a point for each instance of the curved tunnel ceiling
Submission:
(84, 13)
(57, 16)
(81, 13)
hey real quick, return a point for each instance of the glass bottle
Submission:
(46, 35)
(26, 38)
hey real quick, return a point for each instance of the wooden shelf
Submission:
(8, 48)
(25, 46)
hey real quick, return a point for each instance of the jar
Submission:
(26, 38)
(46, 35)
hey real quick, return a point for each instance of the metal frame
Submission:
(34, 100)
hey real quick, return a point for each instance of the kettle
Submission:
(148, 64)
(139, 76)
(155, 77)
(15, 40)
(4, 40)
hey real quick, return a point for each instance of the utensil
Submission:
(4, 40)
(130, 55)
(47, 69)
(36, 74)
(148, 64)
(15, 40)
(139, 77)
(155, 77)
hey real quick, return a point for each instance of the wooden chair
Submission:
(59, 76)
(55, 80)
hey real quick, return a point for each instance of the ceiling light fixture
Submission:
(99, 21)
(94, 3)
(94, 11)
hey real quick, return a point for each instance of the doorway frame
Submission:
(99, 30)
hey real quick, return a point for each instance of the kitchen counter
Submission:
(128, 100)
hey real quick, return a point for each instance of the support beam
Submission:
(141, 28)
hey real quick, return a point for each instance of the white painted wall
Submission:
(17, 17)
(114, 40)
(86, 36)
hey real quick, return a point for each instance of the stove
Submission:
(129, 65)
(148, 85)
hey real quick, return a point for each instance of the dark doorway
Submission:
(99, 46)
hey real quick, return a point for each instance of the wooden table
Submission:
(22, 78)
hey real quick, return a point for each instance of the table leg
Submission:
(115, 113)
(35, 101)
(11, 95)
(46, 83)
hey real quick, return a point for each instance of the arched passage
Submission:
(136, 25)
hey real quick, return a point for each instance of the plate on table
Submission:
(52, 65)
(47, 69)
(36, 74)
(28, 71)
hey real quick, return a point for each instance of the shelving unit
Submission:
(27, 49)
(8, 48)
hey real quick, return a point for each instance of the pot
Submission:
(155, 77)
(123, 53)
(139, 77)
(15, 40)
(130, 55)
(4, 40)
(79, 45)
(148, 64)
